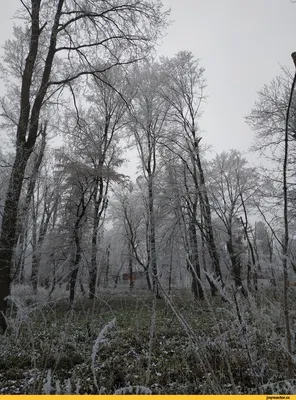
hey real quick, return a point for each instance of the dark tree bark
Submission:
(285, 246)
(146, 270)
(20, 258)
(76, 261)
(170, 267)
(207, 217)
(7, 238)
(203, 255)
(130, 267)
(253, 252)
(118, 29)
(23, 214)
(236, 265)
(100, 192)
(27, 132)
(107, 265)
(153, 260)
(94, 242)
(37, 243)
(194, 263)
(34, 273)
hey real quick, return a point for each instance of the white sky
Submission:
(242, 45)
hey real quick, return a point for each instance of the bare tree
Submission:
(286, 225)
(78, 189)
(273, 119)
(130, 221)
(232, 184)
(96, 133)
(44, 204)
(184, 91)
(147, 122)
(81, 38)
(32, 170)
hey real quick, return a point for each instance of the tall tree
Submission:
(96, 134)
(130, 221)
(184, 91)
(78, 193)
(68, 40)
(232, 184)
(147, 123)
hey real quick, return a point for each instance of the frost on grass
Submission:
(100, 339)
(133, 390)
(58, 352)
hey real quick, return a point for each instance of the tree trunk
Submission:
(130, 267)
(34, 272)
(152, 241)
(206, 211)
(75, 268)
(117, 276)
(170, 268)
(236, 265)
(23, 214)
(21, 254)
(148, 279)
(203, 254)
(194, 263)
(26, 135)
(54, 279)
(81, 287)
(107, 266)
(94, 247)
(250, 247)
(99, 207)
(249, 270)
(73, 280)
(286, 240)
(8, 231)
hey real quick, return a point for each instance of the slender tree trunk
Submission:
(153, 259)
(21, 253)
(37, 243)
(81, 287)
(34, 272)
(250, 247)
(148, 279)
(236, 265)
(99, 207)
(130, 267)
(206, 210)
(270, 249)
(94, 247)
(249, 270)
(194, 261)
(107, 266)
(54, 278)
(75, 268)
(117, 276)
(73, 280)
(22, 261)
(171, 267)
(203, 255)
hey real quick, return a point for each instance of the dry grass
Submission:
(234, 349)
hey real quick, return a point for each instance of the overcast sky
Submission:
(241, 44)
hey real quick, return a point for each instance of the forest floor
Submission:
(176, 347)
